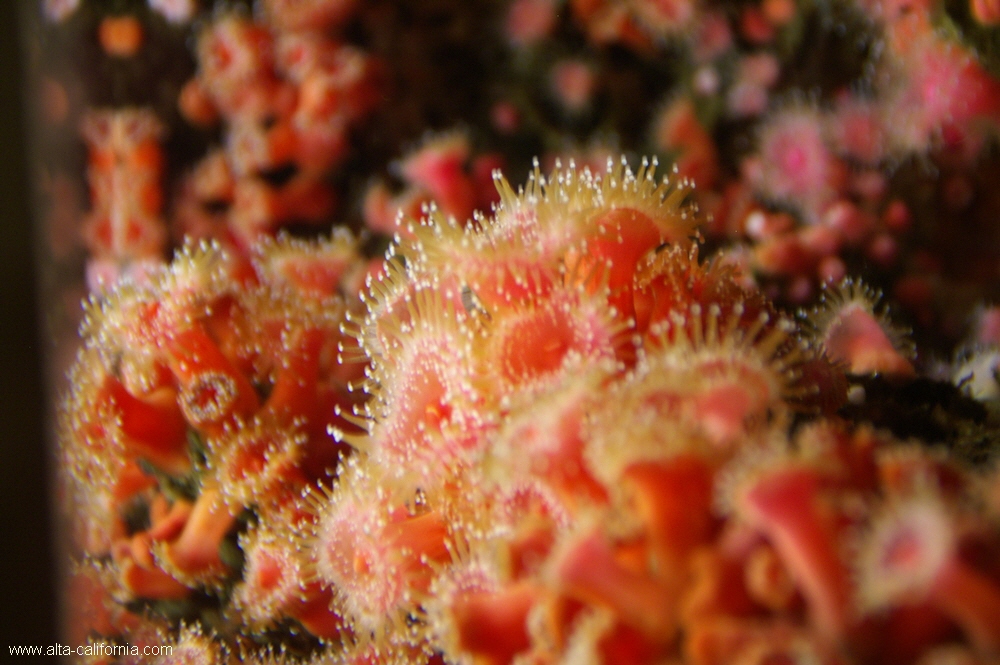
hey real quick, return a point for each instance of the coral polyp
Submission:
(535, 345)
(852, 329)
(377, 557)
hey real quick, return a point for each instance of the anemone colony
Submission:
(604, 416)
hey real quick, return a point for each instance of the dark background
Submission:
(27, 568)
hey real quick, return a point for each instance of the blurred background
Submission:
(27, 614)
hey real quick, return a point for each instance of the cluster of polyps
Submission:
(583, 434)
(580, 442)
(203, 392)
(289, 95)
(818, 186)
(125, 226)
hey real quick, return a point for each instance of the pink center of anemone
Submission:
(903, 552)
(355, 561)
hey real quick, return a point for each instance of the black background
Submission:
(27, 567)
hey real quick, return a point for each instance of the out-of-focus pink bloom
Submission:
(883, 250)
(857, 131)
(944, 95)
(891, 11)
(755, 26)
(175, 11)
(749, 93)
(126, 166)
(986, 12)
(505, 117)
(573, 83)
(794, 166)
(713, 36)
(58, 10)
(528, 22)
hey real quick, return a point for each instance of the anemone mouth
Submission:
(349, 556)
(375, 551)
(208, 398)
(536, 344)
(539, 449)
(905, 551)
(426, 393)
(253, 463)
(423, 403)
